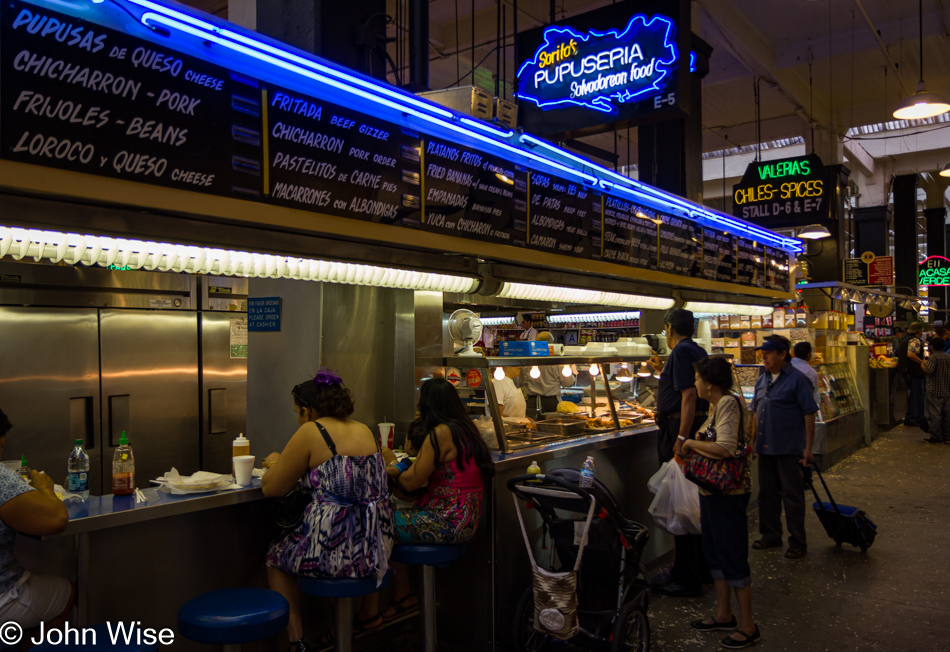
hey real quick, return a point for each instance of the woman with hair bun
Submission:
(347, 529)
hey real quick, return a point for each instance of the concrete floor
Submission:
(894, 597)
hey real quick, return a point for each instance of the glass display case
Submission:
(837, 391)
(603, 399)
(743, 380)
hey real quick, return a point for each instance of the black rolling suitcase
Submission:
(842, 523)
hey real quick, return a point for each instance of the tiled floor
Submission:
(894, 597)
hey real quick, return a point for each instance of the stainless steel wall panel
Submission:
(151, 356)
(223, 392)
(405, 393)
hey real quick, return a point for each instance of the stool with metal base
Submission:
(429, 557)
(344, 589)
(230, 617)
(95, 638)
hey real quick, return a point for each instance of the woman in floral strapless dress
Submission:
(347, 529)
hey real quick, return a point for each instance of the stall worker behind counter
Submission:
(530, 333)
(27, 599)
(680, 413)
(511, 402)
(544, 392)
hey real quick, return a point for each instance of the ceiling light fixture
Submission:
(727, 308)
(591, 317)
(531, 292)
(922, 104)
(814, 232)
(945, 171)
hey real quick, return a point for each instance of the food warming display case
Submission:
(841, 421)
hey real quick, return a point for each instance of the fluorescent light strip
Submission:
(530, 292)
(497, 321)
(595, 317)
(727, 308)
(509, 150)
(74, 249)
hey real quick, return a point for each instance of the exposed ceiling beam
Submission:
(859, 157)
(887, 55)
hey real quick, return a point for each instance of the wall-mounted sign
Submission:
(604, 69)
(869, 270)
(597, 70)
(783, 193)
(263, 314)
(934, 270)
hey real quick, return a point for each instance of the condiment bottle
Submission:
(24, 469)
(241, 446)
(123, 468)
(534, 469)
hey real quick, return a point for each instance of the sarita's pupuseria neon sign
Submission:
(934, 270)
(600, 70)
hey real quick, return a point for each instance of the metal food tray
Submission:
(563, 427)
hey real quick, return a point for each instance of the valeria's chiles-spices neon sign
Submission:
(600, 70)
(934, 270)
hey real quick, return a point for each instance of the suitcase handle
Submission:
(825, 485)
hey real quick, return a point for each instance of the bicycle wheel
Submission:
(632, 631)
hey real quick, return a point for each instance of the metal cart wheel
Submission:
(632, 631)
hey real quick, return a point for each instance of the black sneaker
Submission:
(701, 626)
(746, 640)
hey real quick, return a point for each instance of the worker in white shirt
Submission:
(530, 333)
(511, 401)
(544, 392)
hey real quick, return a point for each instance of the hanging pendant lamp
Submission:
(922, 104)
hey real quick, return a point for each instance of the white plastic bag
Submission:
(676, 505)
(653, 484)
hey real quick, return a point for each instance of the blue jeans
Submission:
(915, 398)
(726, 537)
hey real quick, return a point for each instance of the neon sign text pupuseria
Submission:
(600, 70)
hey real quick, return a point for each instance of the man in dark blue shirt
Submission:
(680, 413)
(783, 431)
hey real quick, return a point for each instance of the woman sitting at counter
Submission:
(725, 528)
(454, 460)
(347, 529)
(28, 599)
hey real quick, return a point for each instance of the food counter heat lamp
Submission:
(644, 371)
(535, 372)
(727, 308)
(566, 371)
(499, 373)
(530, 292)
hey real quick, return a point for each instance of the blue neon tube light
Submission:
(495, 137)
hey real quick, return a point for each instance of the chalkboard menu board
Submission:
(681, 249)
(82, 97)
(473, 194)
(630, 233)
(751, 263)
(719, 256)
(776, 269)
(564, 217)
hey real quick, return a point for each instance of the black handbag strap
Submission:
(326, 437)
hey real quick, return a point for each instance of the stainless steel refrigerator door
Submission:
(49, 387)
(223, 390)
(149, 369)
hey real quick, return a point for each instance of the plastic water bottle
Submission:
(123, 469)
(587, 474)
(78, 467)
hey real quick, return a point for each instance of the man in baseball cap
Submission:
(910, 355)
(783, 431)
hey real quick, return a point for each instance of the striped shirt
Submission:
(938, 374)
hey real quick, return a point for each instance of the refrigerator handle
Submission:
(80, 421)
(217, 411)
(120, 417)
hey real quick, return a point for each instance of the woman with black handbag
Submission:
(718, 461)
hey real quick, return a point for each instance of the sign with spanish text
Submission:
(263, 314)
(934, 271)
(786, 192)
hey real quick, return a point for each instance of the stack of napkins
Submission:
(202, 481)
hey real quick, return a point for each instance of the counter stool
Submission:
(103, 642)
(344, 589)
(429, 557)
(229, 617)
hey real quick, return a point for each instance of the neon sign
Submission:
(934, 271)
(600, 70)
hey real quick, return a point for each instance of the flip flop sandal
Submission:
(360, 625)
(401, 608)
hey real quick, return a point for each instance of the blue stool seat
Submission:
(233, 616)
(103, 641)
(438, 556)
(342, 587)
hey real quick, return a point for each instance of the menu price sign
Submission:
(339, 161)
(719, 256)
(563, 217)
(630, 233)
(82, 97)
(750, 265)
(680, 247)
(473, 194)
(776, 269)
